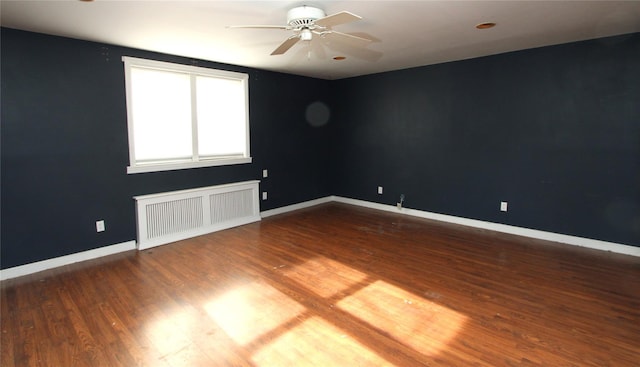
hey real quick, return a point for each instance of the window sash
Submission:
(206, 123)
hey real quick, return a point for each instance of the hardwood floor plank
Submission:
(331, 285)
(92, 352)
(10, 327)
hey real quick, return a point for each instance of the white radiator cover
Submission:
(172, 216)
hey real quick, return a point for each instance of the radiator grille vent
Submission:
(230, 205)
(172, 216)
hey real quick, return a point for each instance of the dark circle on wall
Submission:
(317, 114)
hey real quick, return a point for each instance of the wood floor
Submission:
(333, 285)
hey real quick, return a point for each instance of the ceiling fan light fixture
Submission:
(306, 34)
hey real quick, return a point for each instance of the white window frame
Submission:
(196, 161)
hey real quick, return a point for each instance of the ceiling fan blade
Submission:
(260, 26)
(316, 46)
(347, 38)
(337, 18)
(286, 45)
(366, 36)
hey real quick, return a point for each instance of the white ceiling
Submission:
(408, 33)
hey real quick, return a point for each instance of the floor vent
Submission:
(172, 216)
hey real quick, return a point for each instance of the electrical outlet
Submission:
(264, 195)
(265, 173)
(503, 206)
(100, 226)
(380, 190)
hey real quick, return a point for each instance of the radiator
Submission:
(172, 216)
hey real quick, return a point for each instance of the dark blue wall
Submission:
(65, 149)
(554, 131)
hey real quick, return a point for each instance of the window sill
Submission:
(142, 168)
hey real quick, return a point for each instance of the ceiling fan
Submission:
(307, 21)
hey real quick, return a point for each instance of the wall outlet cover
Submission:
(100, 226)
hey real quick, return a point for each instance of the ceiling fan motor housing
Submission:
(304, 16)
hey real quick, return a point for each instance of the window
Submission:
(182, 116)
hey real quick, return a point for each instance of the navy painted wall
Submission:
(65, 150)
(554, 131)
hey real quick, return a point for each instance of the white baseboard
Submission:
(39, 266)
(290, 208)
(525, 232)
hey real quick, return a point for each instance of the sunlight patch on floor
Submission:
(170, 334)
(423, 325)
(250, 310)
(316, 342)
(324, 276)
